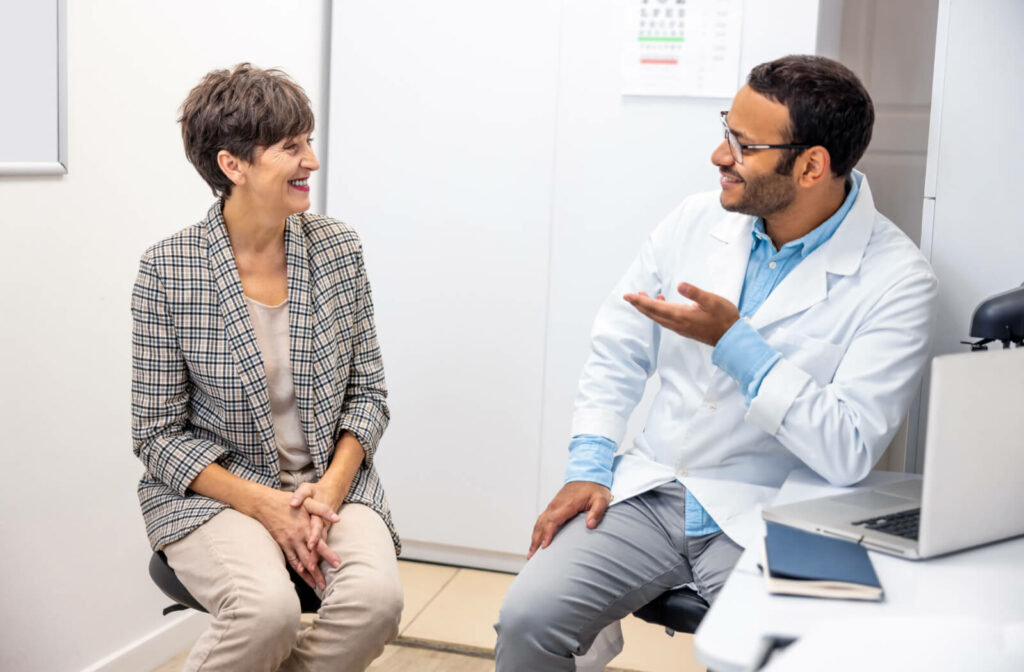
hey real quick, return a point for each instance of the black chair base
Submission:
(679, 610)
(167, 581)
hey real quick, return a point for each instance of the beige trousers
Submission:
(235, 569)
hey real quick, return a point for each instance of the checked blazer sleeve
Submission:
(364, 412)
(160, 390)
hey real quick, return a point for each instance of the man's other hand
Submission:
(572, 499)
(704, 320)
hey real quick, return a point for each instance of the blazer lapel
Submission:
(300, 331)
(241, 337)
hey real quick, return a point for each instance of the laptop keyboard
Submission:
(902, 524)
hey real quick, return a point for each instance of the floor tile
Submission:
(465, 611)
(648, 648)
(421, 582)
(175, 664)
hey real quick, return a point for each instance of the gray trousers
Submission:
(586, 579)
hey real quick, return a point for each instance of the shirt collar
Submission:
(821, 233)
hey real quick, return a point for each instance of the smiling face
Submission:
(276, 181)
(754, 187)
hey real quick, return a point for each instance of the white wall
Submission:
(73, 570)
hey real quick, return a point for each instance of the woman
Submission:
(258, 397)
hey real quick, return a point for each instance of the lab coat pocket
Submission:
(818, 358)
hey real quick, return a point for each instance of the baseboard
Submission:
(152, 650)
(460, 556)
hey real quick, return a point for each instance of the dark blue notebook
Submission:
(803, 563)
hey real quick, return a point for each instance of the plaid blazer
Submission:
(199, 391)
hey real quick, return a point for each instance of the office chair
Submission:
(167, 581)
(679, 610)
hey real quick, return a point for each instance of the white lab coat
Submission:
(852, 321)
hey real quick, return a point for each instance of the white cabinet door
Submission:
(441, 154)
(974, 235)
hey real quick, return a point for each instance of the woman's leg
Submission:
(235, 569)
(363, 601)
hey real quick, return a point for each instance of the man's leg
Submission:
(587, 578)
(712, 559)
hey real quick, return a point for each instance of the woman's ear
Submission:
(231, 166)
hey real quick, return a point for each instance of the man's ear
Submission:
(814, 166)
(231, 166)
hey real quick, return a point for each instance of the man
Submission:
(788, 322)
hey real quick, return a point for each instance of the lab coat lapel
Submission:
(807, 284)
(241, 337)
(728, 261)
(727, 264)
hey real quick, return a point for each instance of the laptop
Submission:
(972, 492)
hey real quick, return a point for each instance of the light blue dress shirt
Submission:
(741, 352)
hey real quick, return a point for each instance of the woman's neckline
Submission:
(264, 305)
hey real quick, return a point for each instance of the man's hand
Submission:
(572, 499)
(705, 320)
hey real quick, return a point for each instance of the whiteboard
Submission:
(33, 118)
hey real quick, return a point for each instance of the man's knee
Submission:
(531, 611)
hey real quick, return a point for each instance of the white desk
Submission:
(986, 584)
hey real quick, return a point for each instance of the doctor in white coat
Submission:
(788, 322)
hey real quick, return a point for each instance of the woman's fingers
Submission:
(317, 508)
(310, 563)
(316, 527)
(303, 492)
(296, 564)
(327, 554)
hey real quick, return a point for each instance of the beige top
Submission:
(271, 326)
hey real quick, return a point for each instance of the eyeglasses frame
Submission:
(736, 147)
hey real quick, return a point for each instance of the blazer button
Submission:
(710, 406)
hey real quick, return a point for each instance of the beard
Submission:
(763, 195)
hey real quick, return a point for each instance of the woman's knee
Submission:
(376, 593)
(270, 611)
(386, 599)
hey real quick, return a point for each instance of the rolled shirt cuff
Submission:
(744, 354)
(590, 459)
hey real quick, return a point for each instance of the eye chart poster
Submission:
(682, 47)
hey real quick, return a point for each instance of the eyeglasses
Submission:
(736, 148)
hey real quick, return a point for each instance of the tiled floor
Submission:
(464, 607)
(454, 609)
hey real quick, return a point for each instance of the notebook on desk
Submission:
(801, 563)
(972, 492)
